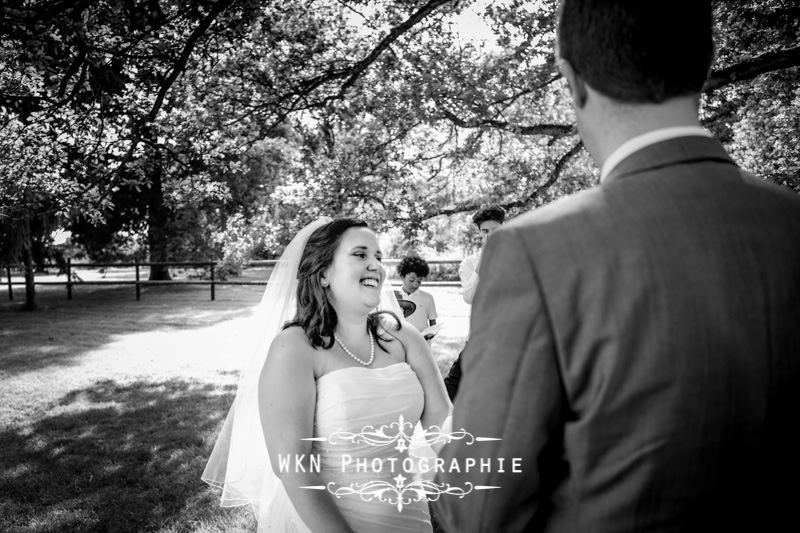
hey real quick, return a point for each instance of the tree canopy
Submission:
(182, 121)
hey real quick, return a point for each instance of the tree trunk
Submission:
(157, 226)
(30, 267)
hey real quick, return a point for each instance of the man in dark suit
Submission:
(636, 346)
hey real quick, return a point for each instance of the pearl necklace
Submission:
(352, 355)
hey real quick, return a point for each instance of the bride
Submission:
(337, 367)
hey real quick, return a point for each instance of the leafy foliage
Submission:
(161, 126)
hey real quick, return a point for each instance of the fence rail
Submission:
(73, 280)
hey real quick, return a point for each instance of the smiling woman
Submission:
(340, 348)
(354, 275)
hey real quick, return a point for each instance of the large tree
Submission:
(81, 90)
(408, 119)
(163, 117)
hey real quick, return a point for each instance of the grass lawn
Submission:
(109, 407)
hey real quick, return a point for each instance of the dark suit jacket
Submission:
(637, 347)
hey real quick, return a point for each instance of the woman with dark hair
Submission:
(340, 368)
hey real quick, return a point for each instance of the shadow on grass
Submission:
(118, 458)
(62, 330)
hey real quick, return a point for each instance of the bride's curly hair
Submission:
(315, 314)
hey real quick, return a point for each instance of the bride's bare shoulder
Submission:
(293, 334)
(291, 343)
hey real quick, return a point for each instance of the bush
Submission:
(237, 243)
(443, 272)
(243, 240)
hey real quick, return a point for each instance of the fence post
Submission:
(212, 282)
(138, 287)
(10, 287)
(69, 278)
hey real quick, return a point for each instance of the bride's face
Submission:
(356, 274)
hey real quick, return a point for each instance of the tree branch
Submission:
(358, 69)
(555, 174)
(556, 130)
(353, 72)
(514, 97)
(751, 68)
(176, 70)
(179, 67)
(743, 71)
(44, 11)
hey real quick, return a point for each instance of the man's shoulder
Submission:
(771, 188)
(579, 205)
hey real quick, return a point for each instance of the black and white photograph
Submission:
(393, 266)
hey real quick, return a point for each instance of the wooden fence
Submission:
(212, 281)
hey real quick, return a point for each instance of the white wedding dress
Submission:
(348, 401)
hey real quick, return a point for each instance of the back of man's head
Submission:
(637, 51)
(494, 212)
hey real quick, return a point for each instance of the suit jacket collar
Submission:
(670, 152)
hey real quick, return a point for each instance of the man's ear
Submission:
(577, 87)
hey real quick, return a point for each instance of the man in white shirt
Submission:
(486, 220)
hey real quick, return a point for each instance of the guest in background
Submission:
(486, 221)
(413, 270)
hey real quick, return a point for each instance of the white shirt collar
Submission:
(646, 139)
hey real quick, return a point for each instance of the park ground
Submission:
(110, 406)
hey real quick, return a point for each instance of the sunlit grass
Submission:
(109, 407)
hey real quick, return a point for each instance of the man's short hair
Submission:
(635, 51)
(495, 212)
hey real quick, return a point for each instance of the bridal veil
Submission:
(239, 463)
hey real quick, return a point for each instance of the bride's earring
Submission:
(324, 283)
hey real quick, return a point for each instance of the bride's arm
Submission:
(287, 396)
(419, 355)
